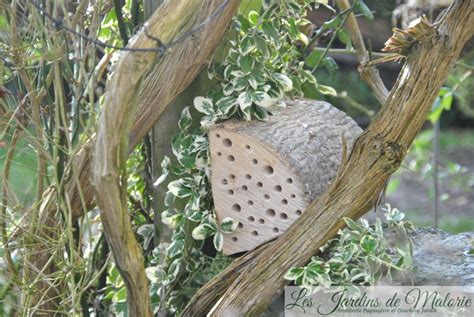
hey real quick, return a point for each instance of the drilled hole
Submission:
(235, 239)
(276, 230)
(231, 176)
(261, 221)
(251, 218)
(219, 154)
(224, 181)
(248, 176)
(230, 192)
(247, 147)
(278, 188)
(254, 233)
(231, 158)
(266, 196)
(298, 212)
(244, 187)
(284, 202)
(218, 135)
(236, 208)
(259, 184)
(254, 161)
(289, 181)
(270, 212)
(269, 170)
(250, 202)
(293, 195)
(240, 225)
(283, 216)
(227, 142)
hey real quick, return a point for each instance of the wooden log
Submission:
(265, 173)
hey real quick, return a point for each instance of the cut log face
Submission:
(265, 173)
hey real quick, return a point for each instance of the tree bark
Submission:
(376, 155)
(155, 95)
(121, 103)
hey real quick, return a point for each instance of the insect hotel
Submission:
(265, 173)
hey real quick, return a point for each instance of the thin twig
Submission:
(59, 24)
(369, 74)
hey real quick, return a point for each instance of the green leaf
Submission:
(247, 45)
(203, 105)
(327, 90)
(261, 113)
(253, 17)
(152, 273)
(263, 99)
(228, 89)
(181, 187)
(185, 120)
(271, 32)
(294, 273)
(226, 105)
(368, 243)
(218, 241)
(332, 24)
(203, 231)
(246, 63)
(352, 225)
(176, 246)
(262, 46)
(314, 58)
(252, 82)
(228, 225)
(244, 100)
(364, 9)
(284, 81)
(164, 171)
(146, 231)
(345, 38)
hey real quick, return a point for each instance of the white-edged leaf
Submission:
(203, 105)
(164, 171)
(327, 90)
(263, 99)
(228, 225)
(218, 241)
(228, 89)
(245, 100)
(185, 120)
(284, 81)
(152, 273)
(226, 104)
(180, 187)
(203, 231)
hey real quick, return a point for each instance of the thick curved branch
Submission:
(189, 56)
(369, 74)
(376, 155)
(171, 21)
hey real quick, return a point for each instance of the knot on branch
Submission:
(393, 155)
(389, 154)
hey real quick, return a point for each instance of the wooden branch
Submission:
(112, 147)
(369, 74)
(175, 71)
(376, 155)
